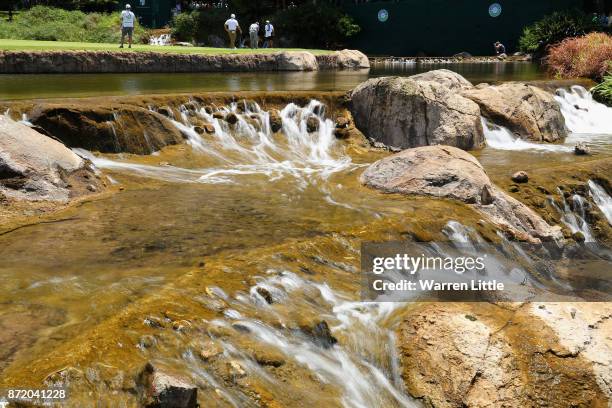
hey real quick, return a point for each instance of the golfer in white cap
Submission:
(232, 27)
(127, 25)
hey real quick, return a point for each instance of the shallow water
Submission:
(83, 85)
(210, 222)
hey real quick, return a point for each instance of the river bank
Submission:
(81, 62)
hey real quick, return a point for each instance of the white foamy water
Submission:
(364, 367)
(162, 39)
(587, 120)
(582, 113)
(499, 137)
(602, 199)
(575, 218)
(251, 148)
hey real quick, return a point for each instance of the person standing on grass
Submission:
(231, 27)
(268, 35)
(254, 35)
(127, 25)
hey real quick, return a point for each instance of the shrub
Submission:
(319, 25)
(554, 28)
(184, 26)
(587, 56)
(603, 91)
(53, 24)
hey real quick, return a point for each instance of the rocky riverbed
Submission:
(219, 262)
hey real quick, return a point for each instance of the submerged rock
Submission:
(582, 149)
(107, 129)
(276, 122)
(448, 172)
(36, 167)
(527, 111)
(520, 177)
(312, 124)
(417, 111)
(160, 389)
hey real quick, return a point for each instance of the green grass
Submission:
(30, 45)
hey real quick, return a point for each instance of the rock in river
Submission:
(113, 128)
(528, 111)
(160, 389)
(460, 355)
(417, 111)
(448, 172)
(36, 167)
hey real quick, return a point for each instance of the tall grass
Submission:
(588, 56)
(53, 24)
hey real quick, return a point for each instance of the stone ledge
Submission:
(69, 62)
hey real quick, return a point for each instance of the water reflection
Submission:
(82, 85)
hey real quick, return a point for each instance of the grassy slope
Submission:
(29, 45)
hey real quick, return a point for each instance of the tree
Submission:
(9, 6)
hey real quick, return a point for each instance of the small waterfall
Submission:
(499, 137)
(162, 39)
(582, 113)
(249, 147)
(602, 199)
(576, 219)
(363, 365)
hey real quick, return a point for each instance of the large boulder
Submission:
(528, 111)
(456, 355)
(446, 77)
(351, 59)
(36, 167)
(408, 112)
(297, 61)
(112, 128)
(448, 172)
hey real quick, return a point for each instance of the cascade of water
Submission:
(162, 39)
(582, 113)
(499, 137)
(364, 366)
(575, 220)
(602, 199)
(249, 147)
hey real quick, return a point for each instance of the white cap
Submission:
(233, 16)
(127, 6)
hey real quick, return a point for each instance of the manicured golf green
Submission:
(30, 45)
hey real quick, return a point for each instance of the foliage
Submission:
(587, 56)
(603, 91)
(308, 25)
(53, 24)
(184, 26)
(553, 29)
(316, 25)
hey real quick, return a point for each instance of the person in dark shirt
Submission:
(499, 48)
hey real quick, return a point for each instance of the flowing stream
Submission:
(261, 230)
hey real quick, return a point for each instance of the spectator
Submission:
(268, 35)
(127, 25)
(500, 50)
(231, 27)
(254, 35)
